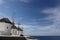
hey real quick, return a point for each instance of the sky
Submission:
(37, 17)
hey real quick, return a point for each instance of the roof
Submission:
(6, 20)
(14, 27)
(19, 29)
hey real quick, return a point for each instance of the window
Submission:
(7, 27)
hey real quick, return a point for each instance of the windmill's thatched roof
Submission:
(6, 20)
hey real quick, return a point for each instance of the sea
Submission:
(47, 37)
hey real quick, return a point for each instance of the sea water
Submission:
(47, 37)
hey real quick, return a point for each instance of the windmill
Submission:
(13, 20)
(21, 29)
(18, 27)
(18, 24)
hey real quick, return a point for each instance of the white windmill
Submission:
(15, 30)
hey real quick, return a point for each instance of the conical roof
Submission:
(6, 20)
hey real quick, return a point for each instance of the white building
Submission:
(8, 28)
(19, 31)
(13, 30)
(16, 31)
(5, 26)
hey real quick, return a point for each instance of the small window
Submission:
(10, 33)
(7, 27)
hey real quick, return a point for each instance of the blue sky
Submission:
(37, 17)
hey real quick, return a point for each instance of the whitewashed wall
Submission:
(5, 28)
(14, 31)
(19, 32)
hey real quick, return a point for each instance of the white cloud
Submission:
(36, 30)
(51, 30)
(26, 1)
(55, 14)
(2, 2)
(55, 17)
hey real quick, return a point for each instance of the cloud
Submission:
(26, 1)
(2, 2)
(36, 30)
(55, 18)
(50, 30)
